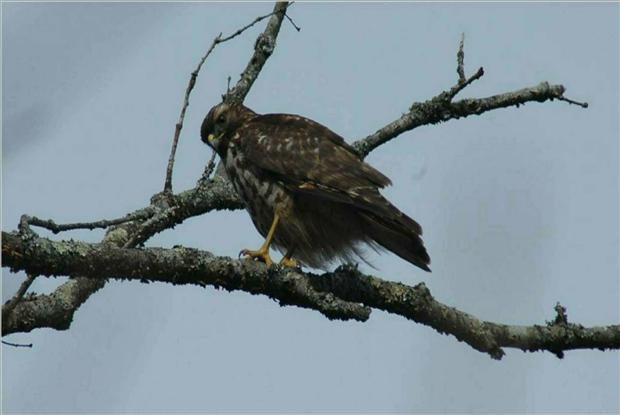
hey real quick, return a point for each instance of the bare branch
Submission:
(190, 86)
(440, 109)
(462, 85)
(29, 345)
(291, 21)
(53, 310)
(210, 167)
(460, 60)
(343, 294)
(101, 224)
(216, 194)
(56, 310)
(570, 101)
(101, 261)
(263, 48)
(8, 307)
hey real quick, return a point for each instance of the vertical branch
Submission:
(460, 60)
(8, 308)
(263, 48)
(192, 82)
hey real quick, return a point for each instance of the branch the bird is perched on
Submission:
(343, 294)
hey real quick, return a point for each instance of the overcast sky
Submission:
(519, 206)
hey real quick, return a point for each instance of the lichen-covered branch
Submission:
(263, 48)
(53, 310)
(440, 109)
(178, 266)
(343, 294)
(8, 307)
(100, 224)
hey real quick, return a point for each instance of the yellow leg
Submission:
(288, 261)
(262, 254)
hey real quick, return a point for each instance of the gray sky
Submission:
(519, 206)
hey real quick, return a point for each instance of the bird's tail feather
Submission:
(393, 234)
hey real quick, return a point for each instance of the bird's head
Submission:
(220, 124)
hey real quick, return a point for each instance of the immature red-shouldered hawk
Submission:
(307, 191)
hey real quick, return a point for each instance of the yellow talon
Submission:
(289, 262)
(261, 255)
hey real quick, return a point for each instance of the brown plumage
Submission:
(306, 184)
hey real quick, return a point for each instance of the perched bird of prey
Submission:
(307, 191)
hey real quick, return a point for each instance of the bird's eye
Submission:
(220, 119)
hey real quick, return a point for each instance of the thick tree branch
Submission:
(214, 194)
(177, 266)
(337, 294)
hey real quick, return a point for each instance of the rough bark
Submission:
(343, 294)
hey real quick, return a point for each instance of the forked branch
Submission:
(56, 310)
(248, 76)
(441, 107)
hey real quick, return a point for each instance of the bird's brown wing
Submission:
(308, 157)
(303, 150)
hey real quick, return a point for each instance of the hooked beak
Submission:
(210, 138)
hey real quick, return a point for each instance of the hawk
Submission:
(307, 191)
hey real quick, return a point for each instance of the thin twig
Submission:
(190, 86)
(7, 308)
(17, 344)
(291, 20)
(208, 169)
(560, 314)
(101, 224)
(570, 101)
(466, 82)
(460, 60)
